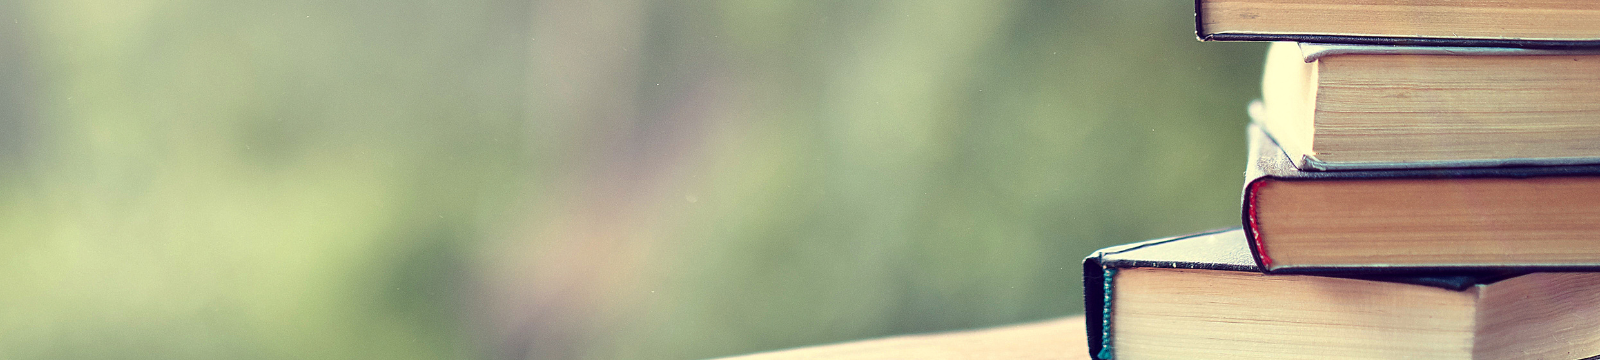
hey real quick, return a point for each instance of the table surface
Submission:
(1052, 339)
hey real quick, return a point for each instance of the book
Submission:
(1418, 220)
(1202, 297)
(1523, 23)
(1352, 107)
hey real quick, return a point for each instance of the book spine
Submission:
(1257, 171)
(1252, 224)
(1096, 301)
(1106, 350)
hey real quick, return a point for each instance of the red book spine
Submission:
(1254, 227)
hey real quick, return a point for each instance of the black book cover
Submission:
(1224, 250)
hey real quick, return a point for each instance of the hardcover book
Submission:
(1202, 297)
(1354, 107)
(1418, 220)
(1525, 23)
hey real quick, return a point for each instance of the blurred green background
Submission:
(571, 179)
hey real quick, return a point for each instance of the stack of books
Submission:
(1423, 182)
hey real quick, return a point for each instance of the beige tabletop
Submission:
(1053, 339)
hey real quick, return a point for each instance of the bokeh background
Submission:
(576, 179)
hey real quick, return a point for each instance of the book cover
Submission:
(1355, 37)
(1269, 163)
(1224, 250)
(1521, 109)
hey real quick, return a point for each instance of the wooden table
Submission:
(1053, 339)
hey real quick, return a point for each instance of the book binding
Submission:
(1200, 33)
(1223, 250)
(1269, 162)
